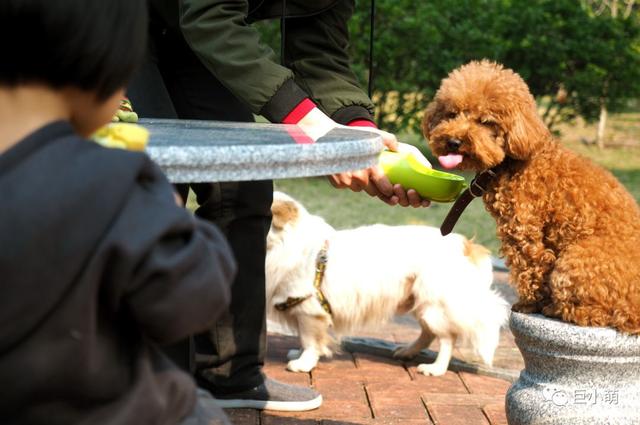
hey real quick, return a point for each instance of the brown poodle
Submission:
(570, 232)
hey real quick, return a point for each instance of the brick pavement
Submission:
(361, 388)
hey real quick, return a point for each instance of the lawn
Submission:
(345, 209)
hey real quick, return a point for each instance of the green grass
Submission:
(345, 209)
(631, 180)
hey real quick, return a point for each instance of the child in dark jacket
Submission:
(98, 264)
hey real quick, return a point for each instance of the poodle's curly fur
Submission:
(570, 232)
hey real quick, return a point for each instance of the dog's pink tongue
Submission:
(450, 161)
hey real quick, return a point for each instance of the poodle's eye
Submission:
(488, 122)
(450, 115)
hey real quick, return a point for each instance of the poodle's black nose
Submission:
(453, 145)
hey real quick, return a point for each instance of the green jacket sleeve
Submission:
(317, 52)
(218, 33)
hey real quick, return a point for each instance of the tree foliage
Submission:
(573, 56)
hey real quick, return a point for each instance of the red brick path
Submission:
(364, 389)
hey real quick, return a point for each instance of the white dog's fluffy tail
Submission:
(486, 335)
(480, 257)
(492, 309)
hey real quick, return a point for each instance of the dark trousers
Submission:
(173, 83)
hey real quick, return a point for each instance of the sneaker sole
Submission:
(282, 406)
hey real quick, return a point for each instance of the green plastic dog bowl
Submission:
(406, 170)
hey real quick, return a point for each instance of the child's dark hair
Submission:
(90, 44)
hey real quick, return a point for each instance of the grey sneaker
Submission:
(272, 395)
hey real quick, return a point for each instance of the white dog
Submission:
(319, 278)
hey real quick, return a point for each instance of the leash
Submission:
(321, 266)
(372, 24)
(476, 189)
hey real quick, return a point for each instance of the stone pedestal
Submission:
(573, 375)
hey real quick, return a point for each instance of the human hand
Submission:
(411, 197)
(315, 124)
(376, 183)
(372, 180)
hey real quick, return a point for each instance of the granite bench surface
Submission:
(190, 151)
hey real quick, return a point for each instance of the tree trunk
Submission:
(602, 123)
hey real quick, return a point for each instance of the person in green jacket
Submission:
(206, 61)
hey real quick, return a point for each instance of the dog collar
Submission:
(476, 189)
(321, 265)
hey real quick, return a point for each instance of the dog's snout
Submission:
(453, 145)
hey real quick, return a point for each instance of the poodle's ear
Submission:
(432, 116)
(284, 211)
(527, 134)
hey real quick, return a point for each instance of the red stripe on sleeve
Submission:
(362, 123)
(299, 112)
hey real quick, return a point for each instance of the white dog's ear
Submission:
(527, 133)
(284, 211)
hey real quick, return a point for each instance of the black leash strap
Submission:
(372, 22)
(476, 189)
(283, 31)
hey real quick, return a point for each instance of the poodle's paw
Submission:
(525, 307)
(404, 352)
(552, 311)
(432, 369)
(294, 354)
(301, 365)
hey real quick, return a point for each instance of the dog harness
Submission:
(321, 265)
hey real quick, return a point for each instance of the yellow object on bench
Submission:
(122, 135)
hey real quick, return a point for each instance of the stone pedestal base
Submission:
(573, 375)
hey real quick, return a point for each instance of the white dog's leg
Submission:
(306, 362)
(313, 334)
(439, 367)
(412, 350)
